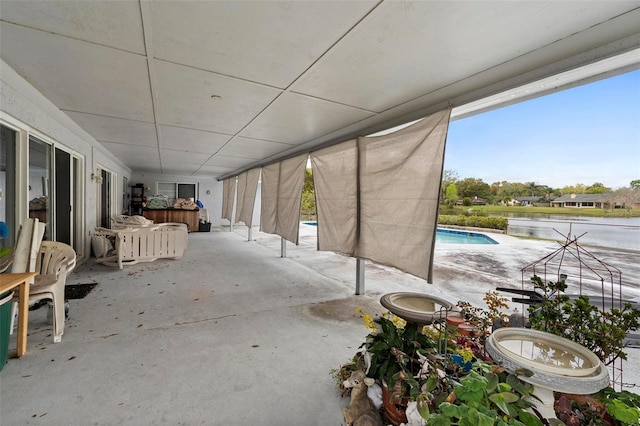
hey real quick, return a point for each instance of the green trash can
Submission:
(5, 326)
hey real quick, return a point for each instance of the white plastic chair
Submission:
(54, 261)
(27, 245)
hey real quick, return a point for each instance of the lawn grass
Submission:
(487, 210)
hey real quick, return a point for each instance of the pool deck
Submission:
(233, 334)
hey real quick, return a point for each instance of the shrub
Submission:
(475, 221)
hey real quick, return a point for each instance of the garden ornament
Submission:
(361, 411)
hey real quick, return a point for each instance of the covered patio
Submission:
(233, 333)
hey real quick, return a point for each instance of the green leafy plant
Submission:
(600, 331)
(487, 396)
(394, 348)
(623, 406)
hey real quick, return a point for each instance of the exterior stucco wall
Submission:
(23, 106)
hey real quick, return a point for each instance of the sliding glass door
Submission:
(40, 183)
(8, 146)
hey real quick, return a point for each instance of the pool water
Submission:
(449, 236)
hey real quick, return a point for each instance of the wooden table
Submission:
(9, 282)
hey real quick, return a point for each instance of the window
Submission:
(173, 190)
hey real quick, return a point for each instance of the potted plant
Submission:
(442, 390)
(393, 354)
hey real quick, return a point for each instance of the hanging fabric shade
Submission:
(248, 199)
(400, 176)
(290, 196)
(228, 195)
(335, 177)
(268, 210)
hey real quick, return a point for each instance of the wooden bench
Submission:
(143, 244)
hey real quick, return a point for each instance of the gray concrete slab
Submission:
(231, 334)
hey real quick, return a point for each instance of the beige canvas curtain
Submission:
(335, 176)
(399, 180)
(247, 201)
(281, 196)
(228, 195)
(290, 196)
(241, 185)
(268, 210)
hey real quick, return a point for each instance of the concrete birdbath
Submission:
(557, 364)
(418, 308)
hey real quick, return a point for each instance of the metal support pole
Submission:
(283, 247)
(249, 238)
(359, 276)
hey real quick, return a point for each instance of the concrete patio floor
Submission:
(232, 334)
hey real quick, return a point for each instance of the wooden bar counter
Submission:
(189, 217)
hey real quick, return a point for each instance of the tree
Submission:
(308, 207)
(596, 188)
(635, 184)
(545, 191)
(470, 187)
(532, 188)
(451, 194)
(578, 188)
(627, 197)
(448, 177)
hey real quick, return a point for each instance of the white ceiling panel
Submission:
(208, 170)
(173, 157)
(224, 160)
(380, 65)
(79, 76)
(188, 97)
(135, 156)
(115, 24)
(192, 140)
(117, 130)
(295, 118)
(252, 40)
(181, 170)
(219, 86)
(253, 149)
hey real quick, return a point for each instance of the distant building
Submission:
(528, 201)
(477, 201)
(583, 201)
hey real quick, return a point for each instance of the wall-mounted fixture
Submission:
(97, 176)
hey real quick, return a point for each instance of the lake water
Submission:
(615, 232)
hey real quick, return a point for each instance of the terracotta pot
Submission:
(394, 407)
(459, 323)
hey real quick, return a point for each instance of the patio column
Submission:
(359, 276)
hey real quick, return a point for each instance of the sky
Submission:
(586, 134)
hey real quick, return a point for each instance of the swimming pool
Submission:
(449, 236)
